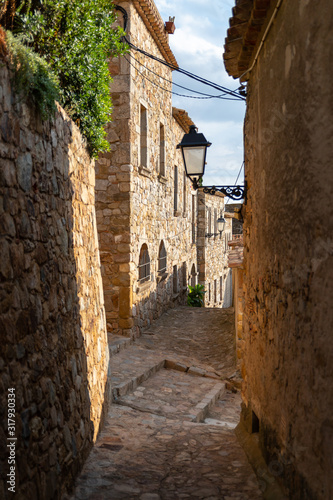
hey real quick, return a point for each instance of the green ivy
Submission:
(76, 37)
(33, 77)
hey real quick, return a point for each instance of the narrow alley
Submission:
(170, 433)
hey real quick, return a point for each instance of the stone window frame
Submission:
(144, 271)
(193, 275)
(144, 166)
(193, 201)
(184, 194)
(177, 212)
(162, 258)
(175, 285)
(162, 152)
(184, 275)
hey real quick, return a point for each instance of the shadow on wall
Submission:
(52, 314)
(153, 304)
(227, 297)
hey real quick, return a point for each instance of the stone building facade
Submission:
(146, 208)
(212, 251)
(54, 355)
(286, 50)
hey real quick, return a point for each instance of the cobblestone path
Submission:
(170, 431)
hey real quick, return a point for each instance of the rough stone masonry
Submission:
(54, 350)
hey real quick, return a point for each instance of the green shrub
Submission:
(76, 37)
(33, 77)
(196, 295)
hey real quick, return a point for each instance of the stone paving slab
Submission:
(176, 395)
(152, 447)
(204, 335)
(149, 457)
(131, 367)
(226, 411)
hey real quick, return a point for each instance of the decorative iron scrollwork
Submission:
(233, 192)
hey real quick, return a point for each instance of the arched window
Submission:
(162, 258)
(193, 276)
(144, 264)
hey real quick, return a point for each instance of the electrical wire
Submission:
(188, 73)
(176, 84)
(176, 93)
(220, 88)
(242, 165)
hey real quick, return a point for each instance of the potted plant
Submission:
(195, 296)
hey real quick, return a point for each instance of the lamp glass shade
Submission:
(220, 224)
(194, 160)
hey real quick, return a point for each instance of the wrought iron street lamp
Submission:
(220, 224)
(194, 148)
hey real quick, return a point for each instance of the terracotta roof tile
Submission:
(182, 118)
(244, 34)
(155, 25)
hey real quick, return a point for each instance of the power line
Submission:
(207, 96)
(220, 88)
(176, 84)
(242, 165)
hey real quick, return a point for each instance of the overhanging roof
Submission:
(155, 25)
(247, 26)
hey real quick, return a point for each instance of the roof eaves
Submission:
(182, 118)
(155, 25)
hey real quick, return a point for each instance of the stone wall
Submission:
(214, 273)
(135, 192)
(289, 248)
(54, 348)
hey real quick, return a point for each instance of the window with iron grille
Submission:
(162, 258)
(144, 264)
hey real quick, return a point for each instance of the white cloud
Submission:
(197, 43)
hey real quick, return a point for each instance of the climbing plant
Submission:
(75, 37)
(32, 75)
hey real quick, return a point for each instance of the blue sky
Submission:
(197, 44)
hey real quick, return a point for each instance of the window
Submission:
(184, 273)
(175, 189)
(215, 291)
(184, 193)
(193, 276)
(162, 151)
(162, 258)
(209, 293)
(209, 229)
(221, 282)
(175, 279)
(143, 136)
(215, 222)
(144, 264)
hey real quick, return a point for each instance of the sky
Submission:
(197, 44)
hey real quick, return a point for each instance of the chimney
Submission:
(170, 25)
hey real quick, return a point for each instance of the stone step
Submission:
(130, 367)
(117, 343)
(226, 410)
(128, 386)
(202, 409)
